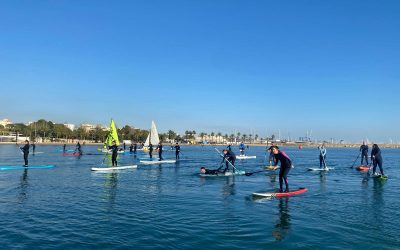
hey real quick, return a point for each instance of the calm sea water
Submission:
(171, 207)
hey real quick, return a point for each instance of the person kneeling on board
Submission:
(228, 157)
(114, 151)
(286, 165)
(376, 159)
(204, 170)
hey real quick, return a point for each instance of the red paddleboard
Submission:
(280, 195)
(363, 168)
(76, 154)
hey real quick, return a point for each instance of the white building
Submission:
(5, 122)
(70, 126)
(88, 127)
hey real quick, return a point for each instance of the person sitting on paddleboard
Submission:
(376, 159)
(25, 150)
(159, 148)
(228, 157)
(151, 150)
(177, 151)
(322, 156)
(286, 165)
(114, 151)
(364, 153)
(204, 170)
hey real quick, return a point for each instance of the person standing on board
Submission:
(159, 148)
(25, 150)
(229, 147)
(271, 157)
(131, 148)
(228, 157)
(65, 145)
(376, 159)
(364, 153)
(177, 151)
(151, 150)
(114, 153)
(124, 146)
(78, 148)
(33, 147)
(286, 165)
(322, 156)
(242, 148)
(134, 148)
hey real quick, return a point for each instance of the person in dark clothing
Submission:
(286, 165)
(177, 151)
(151, 150)
(242, 147)
(124, 146)
(364, 153)
(134, 148)
(229, 147)
(25, 150)
(131, 148)
(78, 148)
(160, 149)
(64, 146)
(204, 170)
(376, 159)
(33, 147)
(114, 153)
(228, 157)
(322, 156)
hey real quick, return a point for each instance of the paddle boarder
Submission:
(177, 151)
(151, 150)
(134, 148)
(159, 148)
(322, 155)
(228, 157)
(364, 153)
(242, 147)
(114, 153)
(271, 157)
(25, 150)
(131, 148)
(65, 145)
(78, 148)
(376, 159)
(33, 147)
(204, 170)
(286, 165)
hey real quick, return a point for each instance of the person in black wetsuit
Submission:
(286, 165)
(124, 146)
(134, 148)
(65, 145)
(151, 150)
(229, 147)
(364, 153)
(25, 150)
(131, 148)
(228, 156)
(114, 153)
(177, 151)
(78, 148)
(33, 147)
(159, 148)
(376, 159)
(204, 170)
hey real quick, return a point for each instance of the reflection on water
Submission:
(23, 187)
(110, 189)
(228, 188)
(282, 226)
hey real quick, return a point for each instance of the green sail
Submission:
(112, 136)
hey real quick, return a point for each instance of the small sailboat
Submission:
(151, 138)
(112, 136)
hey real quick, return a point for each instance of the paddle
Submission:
(355, 160)
(225, 159)
(248, 174)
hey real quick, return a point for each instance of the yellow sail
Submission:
(113, 135)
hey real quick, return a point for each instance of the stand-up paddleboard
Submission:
(280, 195)
(362, 168)
(224, 174)
(37, 153)
(379, 177)
(149, 162)
(243, 157)
(320, 169)
(114, 168)
(22, 167)
(76, 154)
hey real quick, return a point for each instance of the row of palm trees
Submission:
(219, 137)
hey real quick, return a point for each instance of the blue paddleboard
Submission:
(22, 167)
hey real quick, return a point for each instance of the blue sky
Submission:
(332, 67)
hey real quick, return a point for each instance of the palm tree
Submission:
(256, 137)
(232, 137)
(212, 136)
(219, 136)
(250, 136)
(244, 137)
(238, 136)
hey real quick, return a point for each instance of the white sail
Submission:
(153, 136)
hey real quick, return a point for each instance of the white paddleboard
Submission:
(114, 168)
(157, 162)
(242, 157)
(224, 174)
(320, 169)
